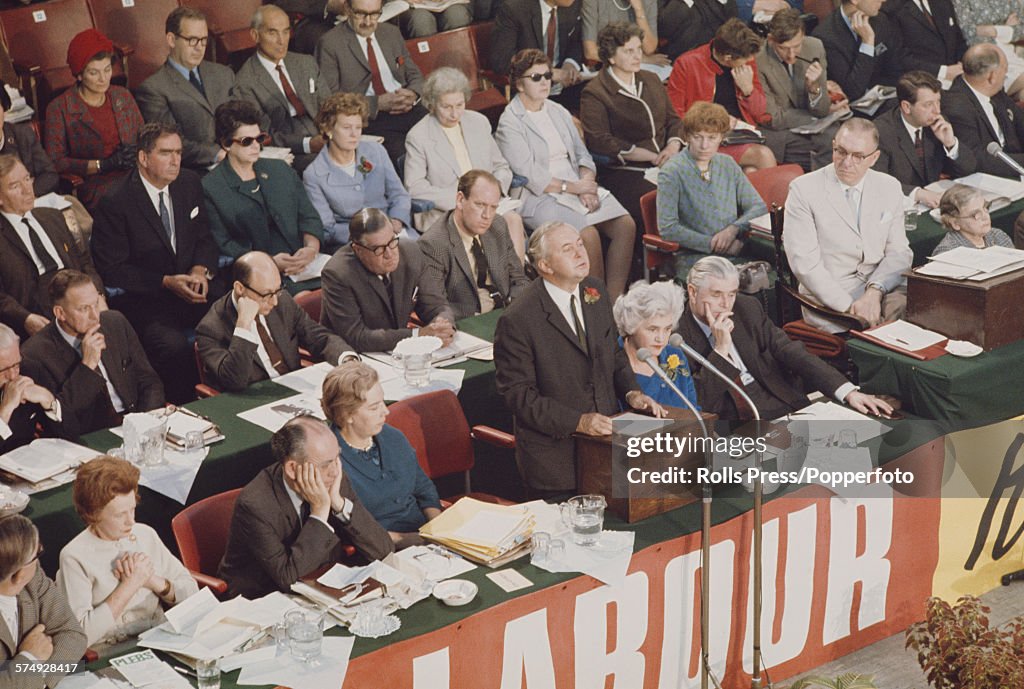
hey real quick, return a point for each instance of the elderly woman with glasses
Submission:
(376, 457)
(350, 174)
(441, 148)
(117, 574)
(646, 315)
(964, 213)
(258, 203)
(541, 142)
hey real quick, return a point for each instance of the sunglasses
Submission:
(263, 139)
(546, 76)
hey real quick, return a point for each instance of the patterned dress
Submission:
(953, 239)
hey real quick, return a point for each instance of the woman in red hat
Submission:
(91, 128)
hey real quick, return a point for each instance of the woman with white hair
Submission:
(441, 148)
(646, 315)
(964, 213)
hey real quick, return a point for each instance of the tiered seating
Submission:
(231, 41)
(141, 25)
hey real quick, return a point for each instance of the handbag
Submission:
(754, 277)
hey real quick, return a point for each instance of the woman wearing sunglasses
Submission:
(258, 203)
(964, 213)
(350, 174)
(540, 142)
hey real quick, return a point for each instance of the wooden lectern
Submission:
(601, 466)
(985, 312)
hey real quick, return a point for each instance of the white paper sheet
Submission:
(607, 561)
(174, 478)
(45, 457)
(489, 528)
(273, 415)
(463, 343)
(435, 563)
(906, 335)
(188, 613)
(313, 270)
(286, 671)
(308, 380)
(144, 669)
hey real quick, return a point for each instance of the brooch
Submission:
(365, 166)
(591, 295)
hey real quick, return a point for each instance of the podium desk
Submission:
(981, 389)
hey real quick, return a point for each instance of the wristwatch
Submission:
(877, 286)
(565, 186)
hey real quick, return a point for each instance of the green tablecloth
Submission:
(984, 388)
(233, 462)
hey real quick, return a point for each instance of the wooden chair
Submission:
(436, 427)
(787, 290)
(455, 49)
(140, 25)
(311, 302)
(231, 42)
(201, 531)
(203, 387)
(772, 183)
(658, 252)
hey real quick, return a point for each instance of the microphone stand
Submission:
(677, 340)
(996, 151)
(645, 355)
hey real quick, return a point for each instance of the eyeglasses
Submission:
(977, 215)
(16, 364)
(194, 41)
(378, 250)
(545, 76)
(841, 153)
(266, 296)
(246, 141)
(356, 14)
(39, 551)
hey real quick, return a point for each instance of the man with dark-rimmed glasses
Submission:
(844, 233)
(373, 284)
(187, 89)
(254, 332)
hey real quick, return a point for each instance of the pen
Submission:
(184, 671)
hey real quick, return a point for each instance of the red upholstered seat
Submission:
(311, 301)
(772, 183)
(141, 25)
(230, 39)
(201, 531)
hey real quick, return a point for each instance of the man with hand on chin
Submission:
(23, 404)
(733, 332)
(295, 516)
(558, 363)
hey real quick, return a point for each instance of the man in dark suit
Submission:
(40, 629)
(522, 24)
(916, 142)
(733, 332)
(91, 360)
(310, 20)
(287, 86)
(152, 241)
(387, 76)
(558, 364)
(187, 89)
(23, 404)
(372, 284)
(686, 24)
(980, 111)
(468, 250)
(863, 47)
(295, 516)
(932, 35)
(255, 331)
(35, 243)
(21, 140)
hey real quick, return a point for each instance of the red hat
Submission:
(84, 46)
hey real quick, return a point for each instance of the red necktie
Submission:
(289, 93)
(919, 150)
(928, 15)
(371, 57)
(552, 32)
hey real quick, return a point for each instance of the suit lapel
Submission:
(907, 146)
(185, 86)
(556, 318)
(230, 317)
(459, 251)
(356, 47)
(279, 334)
(14, 240)
(535, 24)
(145, 209)
(300, 82)
(269, 83)
(284, 501)
(443, 147)
(837, 199)
(495, 260)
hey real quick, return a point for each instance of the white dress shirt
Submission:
(563, 301)
(990, 113)
(9, 613)
(115, 399)
(22, 232)
(154, 198)
(387, 77)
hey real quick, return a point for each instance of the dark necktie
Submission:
(193, 78)
(371, 57)
(44, 256)
(304, 512)
(552, 35)
(165, 219)
(581, 336)
(289, 93)
(919, 150)
(276, 358)
(482, 268)
(927, 15)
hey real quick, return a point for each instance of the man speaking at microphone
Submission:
(733, 332)
(558, 364)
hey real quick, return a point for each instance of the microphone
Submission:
(645, 355)
(676, 340)
(996, 151)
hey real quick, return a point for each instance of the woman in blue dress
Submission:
(646, 316)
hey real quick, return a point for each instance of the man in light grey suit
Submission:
(287, 86)
(37, 627)
(187, 89)
(844, 232)
(469, 251)
(387, 76)
(792, 67)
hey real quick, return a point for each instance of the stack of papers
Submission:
(904, 335)
(873, 98)
(482, 532)
(998, 191)
(276, 414)
(967, 263)
(44, 458)
(313, 270)
(464, 345)
(183, 421)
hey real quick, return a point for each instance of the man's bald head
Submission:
(257, 277)
(271, 29)
(985, 68)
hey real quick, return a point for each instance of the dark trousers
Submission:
(394, 128)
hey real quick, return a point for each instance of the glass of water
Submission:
(208, 673)
(194, 443)
(305, 635)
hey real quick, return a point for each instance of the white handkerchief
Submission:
(194, 213)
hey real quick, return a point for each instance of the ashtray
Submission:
(963, 348)
(370, 628)
(455, 592)
(11, 501)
